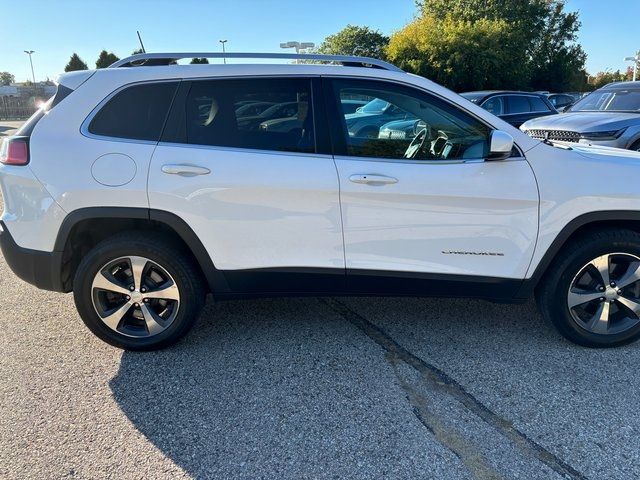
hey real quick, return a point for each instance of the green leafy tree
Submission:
(355, 40)
(199, 60)
(105, 59)
(75, 63)
(459, 54)
(137, 51)
(603, 78)
(541, 35)
(6, 78)
(557, 60)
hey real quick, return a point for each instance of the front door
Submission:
(419, 200)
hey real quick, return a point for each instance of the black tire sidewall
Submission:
(164, 254)
(558, 288)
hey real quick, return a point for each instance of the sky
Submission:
(56, 29)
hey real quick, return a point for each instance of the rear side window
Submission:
(256, 113)
(519, 104)
(538, 105)
(136, 113)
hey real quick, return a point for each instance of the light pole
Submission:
(635, 59)
(33, 76)
(224, 58)
(298, 46)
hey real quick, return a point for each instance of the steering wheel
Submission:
(416, 144)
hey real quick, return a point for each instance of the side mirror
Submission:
(500, 145)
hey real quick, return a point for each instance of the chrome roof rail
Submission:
(149, 59)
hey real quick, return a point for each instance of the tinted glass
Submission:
(538, 105)
(612, 100)
(408, 124)
(494, 105)
(137, 112)
(265, 114)
(518, 104)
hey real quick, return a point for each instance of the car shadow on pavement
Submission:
(289, 388)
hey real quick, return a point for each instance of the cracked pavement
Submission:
(314, 388)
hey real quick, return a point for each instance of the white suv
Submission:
(144, 186)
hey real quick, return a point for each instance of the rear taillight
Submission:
(15, 151)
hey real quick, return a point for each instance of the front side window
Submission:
(407, 124)
(519, 104)
(137, 112)
(255, 113)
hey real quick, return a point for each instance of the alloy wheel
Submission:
(604, 297)
(135, 296)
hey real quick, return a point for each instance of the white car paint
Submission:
(255, 209)
(267, 209)
(436, 211)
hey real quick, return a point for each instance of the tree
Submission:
(542, 36)
(603, 78)
(557, 61)
(137, 51)
(75, 63)
(105, 59)
(199, 60)
(6, 78)
(459, 54)
(355, 40)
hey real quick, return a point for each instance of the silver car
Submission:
(609, 117)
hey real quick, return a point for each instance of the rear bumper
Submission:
(42, 269)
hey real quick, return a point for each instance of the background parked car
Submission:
(609, 116)
(513, 107)
(561, 100)
(367, 120)
(252, 108)
(350, 106)
(278, 110)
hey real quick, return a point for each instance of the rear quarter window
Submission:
(538, 105)
(137, 112)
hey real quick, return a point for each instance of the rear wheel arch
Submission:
(84, 228)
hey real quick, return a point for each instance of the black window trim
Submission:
(84, 127)
(176, 119)
(337, 136)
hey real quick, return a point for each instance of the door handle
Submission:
(372, 179)
(185, 170)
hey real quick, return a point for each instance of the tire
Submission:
(132, 320)
(578, 273)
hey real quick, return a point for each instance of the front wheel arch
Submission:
(578, 227)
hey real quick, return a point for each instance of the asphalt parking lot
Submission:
(314, 388)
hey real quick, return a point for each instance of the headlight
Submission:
(607, 135)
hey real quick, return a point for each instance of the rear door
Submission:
(257, 189)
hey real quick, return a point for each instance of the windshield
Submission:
(375, 106)
(610, 100)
